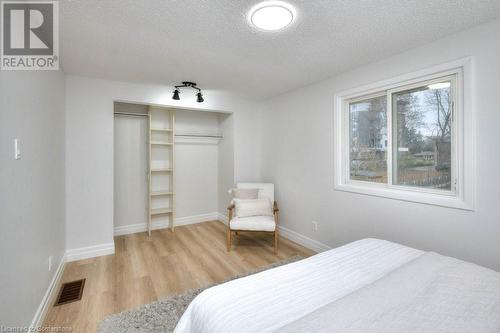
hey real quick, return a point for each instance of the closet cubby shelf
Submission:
(162, 129)
(161, 143)
(160, 211)
(160, 193)
(162, 170)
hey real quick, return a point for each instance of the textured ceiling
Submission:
(210, 42)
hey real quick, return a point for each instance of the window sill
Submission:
(442, 200)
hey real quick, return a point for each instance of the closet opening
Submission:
(172, 166)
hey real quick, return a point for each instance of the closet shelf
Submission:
(160, 193)
(162, 170)
(162, 129)
(161, 143)
(160, 211)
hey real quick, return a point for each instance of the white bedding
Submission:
(432, 293)
(267, 301)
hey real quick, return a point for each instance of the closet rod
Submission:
(130, 114)
(200, 136)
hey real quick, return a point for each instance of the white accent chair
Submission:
(254, 223)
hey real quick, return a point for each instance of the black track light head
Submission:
(176, 95)
(199, 98)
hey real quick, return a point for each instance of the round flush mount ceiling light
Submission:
(272, 15)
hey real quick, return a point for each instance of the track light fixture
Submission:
(187, 84)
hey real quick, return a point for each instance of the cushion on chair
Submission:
(266, 190)
(253, 223)
(245, 193)
(252, 207)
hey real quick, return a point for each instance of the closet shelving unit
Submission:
(161, 203)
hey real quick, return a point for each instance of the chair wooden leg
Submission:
(228, 239)
(276, 241)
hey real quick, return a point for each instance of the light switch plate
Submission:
(17, 149)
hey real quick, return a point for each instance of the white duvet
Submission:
(269, 300)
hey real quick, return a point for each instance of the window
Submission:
(422, 120)
(422, 117)
(406, 140)
(368, 139)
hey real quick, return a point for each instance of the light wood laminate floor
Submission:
(144, 269)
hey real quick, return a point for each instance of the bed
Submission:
(369, 285)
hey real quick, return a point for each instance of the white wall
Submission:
(298, 158)
(196, 122)
(89, 148)
(31, 189)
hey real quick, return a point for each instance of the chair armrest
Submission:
(275, 207)
(229, 215)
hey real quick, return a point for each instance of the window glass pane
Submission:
(368, 139)
(423, 136)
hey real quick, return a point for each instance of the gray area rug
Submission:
(162, 316)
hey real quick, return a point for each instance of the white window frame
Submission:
(462, 193)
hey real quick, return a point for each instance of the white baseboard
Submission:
(44, 305)
(196, 219)
(90, 252)
(139, 227)
(142, 227)
(223, 218)
(303, 240)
